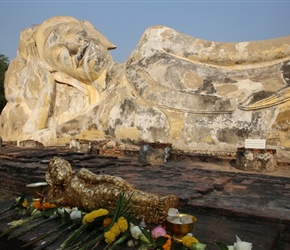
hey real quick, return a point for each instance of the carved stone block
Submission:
(257, 160)
(154, 153)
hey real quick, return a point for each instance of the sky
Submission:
(123, 22)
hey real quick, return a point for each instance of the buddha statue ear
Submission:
(92, 31)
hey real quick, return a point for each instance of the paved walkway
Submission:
(225, 200)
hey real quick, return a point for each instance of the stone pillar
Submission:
(256, 160)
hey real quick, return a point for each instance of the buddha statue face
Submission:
(59, 172)
(75, 49)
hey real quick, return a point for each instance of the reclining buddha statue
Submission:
(193, 93)
(89, 191)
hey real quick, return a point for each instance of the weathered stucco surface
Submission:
(195, 94)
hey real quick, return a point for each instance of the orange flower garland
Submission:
(167, 245)
(46, 205)
(106, 222)
(37, 205)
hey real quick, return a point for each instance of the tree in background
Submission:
(4, 63)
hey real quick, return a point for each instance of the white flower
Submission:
(75, 214)
(135, 231)
(131, 243)
(240, 245)
(60, 211)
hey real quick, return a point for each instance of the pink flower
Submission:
(158, 231)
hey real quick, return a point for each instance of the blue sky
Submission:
(123, 22)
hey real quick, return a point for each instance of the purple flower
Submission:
(158, 231)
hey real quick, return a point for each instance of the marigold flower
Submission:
(106, 222)
(25, 203)
(167, 245)
(188, 241)
(123, 224)
(109, 236)
(47, 205)
(90, 217)
(37, 205)
(115, 229)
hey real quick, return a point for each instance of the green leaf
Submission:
(66, 216)
(145, 240)
(17, 203)
(117, 211)
(92, 242)
(74, 236)
(30, 227)
(222, 246)
(21, 200)
(178, 246)
(48, 243)
(48, 212)
(160, 241)
(146, 234)
(126, 205)
(117, 243)
(199, 246)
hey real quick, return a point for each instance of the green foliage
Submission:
(4, 63)
(160, 241)
(222, 246)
